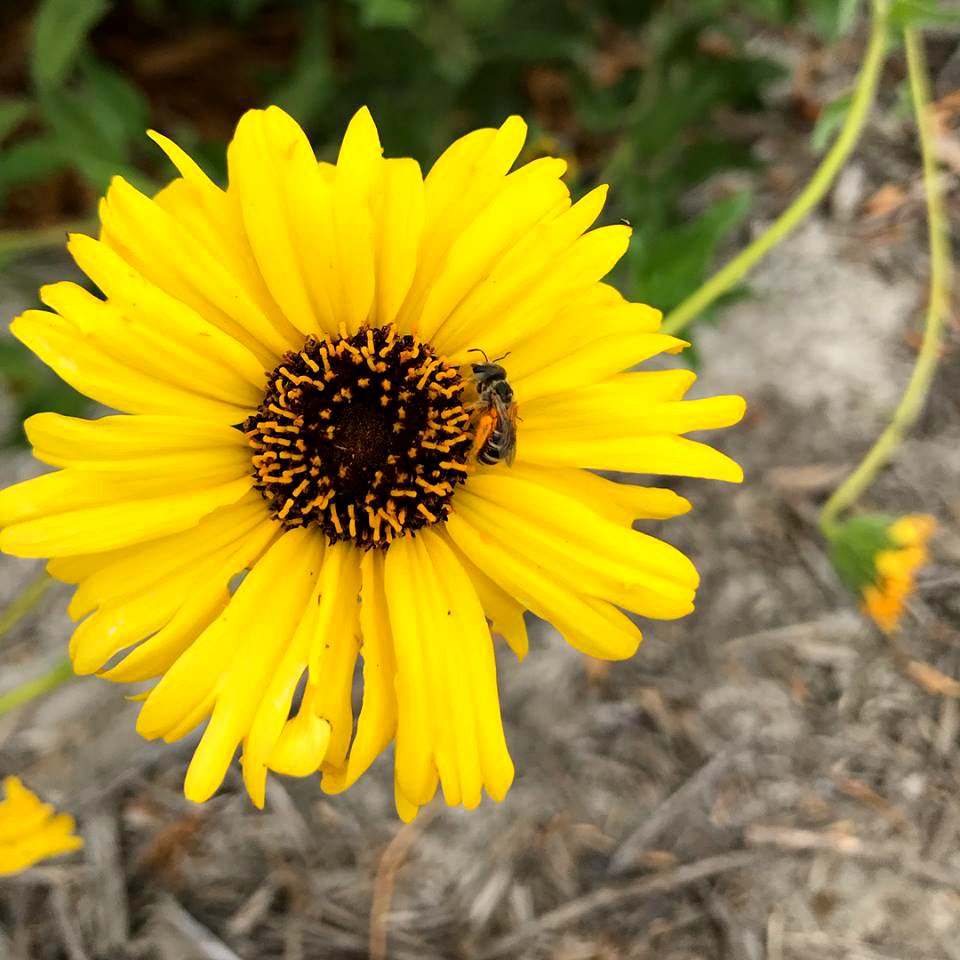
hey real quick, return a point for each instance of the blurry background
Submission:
(658, 98)
(769, 778)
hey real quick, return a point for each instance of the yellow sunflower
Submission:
(30, 831)
(324, 372)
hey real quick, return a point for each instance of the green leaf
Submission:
(702, 159)
(99, 171)
(97, 122)
(829, 122)
(307, 88)
(924, 13)
(34, 388)
(676, 261)
(659, 125)
(482, 12)
(389, 13)
(244, 10)
(846, 16)
(455, 51)
(12, 112)
(30, 161)
(116, 105)
(854, 547)
(775, 10)
(59, 35)
(834, 18)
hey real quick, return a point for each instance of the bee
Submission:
(495, 436)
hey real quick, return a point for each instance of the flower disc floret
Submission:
(364, 436)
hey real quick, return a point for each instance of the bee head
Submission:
(489, 372)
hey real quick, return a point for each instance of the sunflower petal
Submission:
(185, 592)
(525, 200)
(335, 646)
(214, 217)
(153, 331)
(273, 171)
(399, 209)
(168, 254)
(622, 407)
(82, 362)
(377, 724)
(459, 185)
(674, 456)
(359, 169)
(590, 552)
(106, 527)
(591, 626)
(448, 710)
(274, 710)
(225, 670)
(503, 612)
(71, 441)
(596, 360)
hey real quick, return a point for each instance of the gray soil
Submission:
(770, 777)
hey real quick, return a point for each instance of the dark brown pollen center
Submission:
(363, 436)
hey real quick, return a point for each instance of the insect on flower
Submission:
(495, 436)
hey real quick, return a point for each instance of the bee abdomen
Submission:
(492, 450)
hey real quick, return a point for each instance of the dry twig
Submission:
(607, 898)
(653, 826)
(390, 863)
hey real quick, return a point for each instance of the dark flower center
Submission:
(364, 436)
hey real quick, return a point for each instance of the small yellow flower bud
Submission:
(30, 830)
(877, 557)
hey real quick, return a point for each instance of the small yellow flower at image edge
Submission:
(382, 398)
(878, 557)
(30, 830)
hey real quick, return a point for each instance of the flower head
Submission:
(877, 557)
(30, 831)
(297, 359)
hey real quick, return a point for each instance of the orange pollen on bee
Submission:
(364, 436)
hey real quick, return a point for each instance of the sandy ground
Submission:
(768, 778)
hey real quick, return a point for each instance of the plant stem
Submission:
(58, 674)
(812, 193)
(938, 307)
(23, 604)
(16, 242)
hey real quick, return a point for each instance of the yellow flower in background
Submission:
(30, 831)
(300, 364)
(896, 568)
(878, 557)
(545, 144)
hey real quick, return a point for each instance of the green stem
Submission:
(812, 193)
(58, 674)
(16, 242)
(938, 307)
(23, 604)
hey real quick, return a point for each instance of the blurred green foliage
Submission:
(635, 92)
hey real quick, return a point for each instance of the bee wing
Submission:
(496, 402)
(507, 414)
